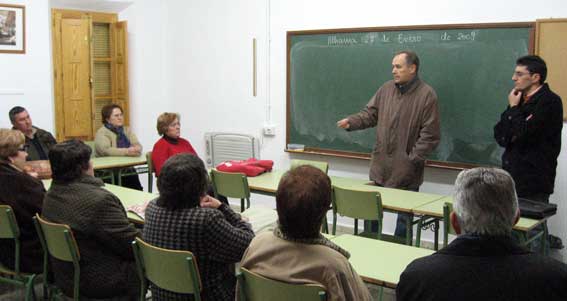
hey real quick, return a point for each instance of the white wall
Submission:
(195, 57)
(209, 64)
(147, 72)
(25, 79)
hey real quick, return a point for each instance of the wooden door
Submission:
(120, 67)
(75, 62)
(551, 45)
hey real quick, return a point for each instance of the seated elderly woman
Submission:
(115, 139)
(99, 223)
(171, 143)
(296, 252)
(24, 193)
(184, 217)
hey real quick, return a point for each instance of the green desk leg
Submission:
(436, 238)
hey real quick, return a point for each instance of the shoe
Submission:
(555, 242)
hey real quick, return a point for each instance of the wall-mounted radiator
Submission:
(222, 147)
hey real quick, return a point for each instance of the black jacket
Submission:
(531, 135)
(483, 268)
(24, 194)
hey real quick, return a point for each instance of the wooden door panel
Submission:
(77, 107)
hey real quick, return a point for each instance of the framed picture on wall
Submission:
(12, 28)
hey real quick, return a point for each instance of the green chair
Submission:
(58, 241)
(357, 204)
(9, 230)
(171, 270)
(231, 185)
(447, 227)
(254, 287)
(101, 174)
(151, 171)
(324, 166)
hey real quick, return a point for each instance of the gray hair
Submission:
(485, 201)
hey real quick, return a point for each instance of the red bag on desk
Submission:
(251, 167)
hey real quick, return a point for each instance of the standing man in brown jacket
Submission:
(404, 111)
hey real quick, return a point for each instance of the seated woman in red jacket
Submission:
(170, 144)
(169, 127)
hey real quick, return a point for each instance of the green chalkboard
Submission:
(333, 73)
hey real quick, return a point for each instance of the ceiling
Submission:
(108, 6)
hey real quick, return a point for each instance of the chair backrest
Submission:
(447, 227)
(232, 185)
(172, 270)
(59, 240)
(357, 204)
(254, 287)
(151, 169)
(8, 225)
(323, 166)
(91, 144)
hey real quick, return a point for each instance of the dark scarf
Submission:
(405, 87)
(170, 140)
(121, 140)
(320, 240)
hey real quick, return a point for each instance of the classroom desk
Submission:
(261, 218)
(392, 199)
(117, 164)
(435, 210)
(127, 196)
(378, 261)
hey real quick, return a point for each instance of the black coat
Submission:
(531, 135)
(24, 194)
(483, 268)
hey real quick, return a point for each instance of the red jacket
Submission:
(163, 149)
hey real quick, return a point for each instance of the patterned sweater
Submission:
(104, 236)
(217, 238)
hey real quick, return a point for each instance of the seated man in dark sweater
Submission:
(484, 262)
(38, 141)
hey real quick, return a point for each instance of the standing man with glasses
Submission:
(530, 131)
(38, 141)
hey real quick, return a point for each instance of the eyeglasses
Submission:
(520, 74)
(24, 148)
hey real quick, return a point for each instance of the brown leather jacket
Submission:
(407, 131)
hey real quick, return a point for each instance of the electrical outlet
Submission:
(269, 130)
